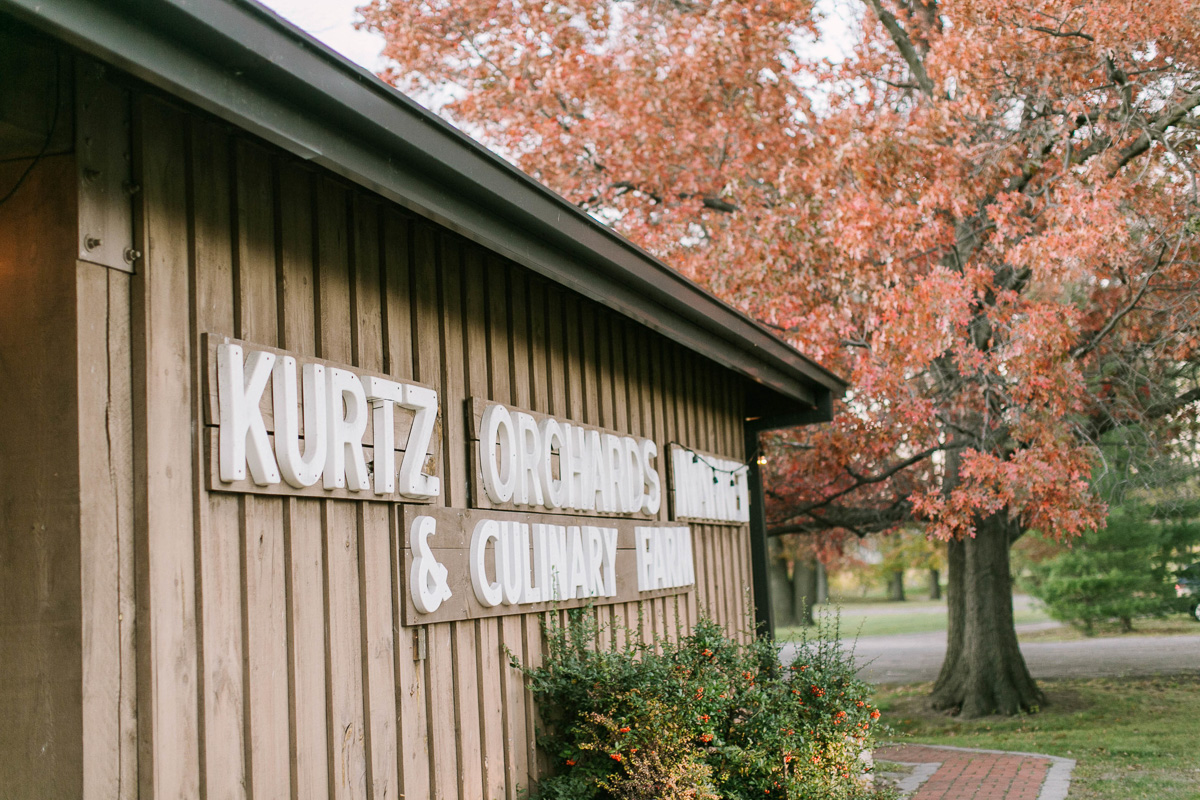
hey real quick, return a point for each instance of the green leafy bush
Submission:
(1121, 572)
(704, 717)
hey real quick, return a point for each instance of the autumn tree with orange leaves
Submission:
(985, 216)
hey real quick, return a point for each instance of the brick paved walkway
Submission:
(953, 773)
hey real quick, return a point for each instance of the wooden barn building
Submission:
(311, 409)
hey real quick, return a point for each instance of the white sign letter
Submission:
(498, 454)
(529, 489)
(383, 396)
(652, 498)
(490, 593)
(414, 482)
(554, 491)
(428, 584)
(345, 464)
(299, 471)
(243, 435)
(633, 483)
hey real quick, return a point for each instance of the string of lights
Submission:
(697, 458)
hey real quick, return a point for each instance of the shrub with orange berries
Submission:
(704, 716)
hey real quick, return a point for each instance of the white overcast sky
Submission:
(332, 21)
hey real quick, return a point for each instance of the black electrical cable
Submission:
(49, 133)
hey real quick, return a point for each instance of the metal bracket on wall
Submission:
(419, 644)
(103, 156)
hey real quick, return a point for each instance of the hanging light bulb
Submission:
(762, 459)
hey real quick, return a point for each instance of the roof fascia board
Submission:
(400, 153)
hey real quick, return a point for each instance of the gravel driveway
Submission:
(917, 657)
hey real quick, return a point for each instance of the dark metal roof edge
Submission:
(279, 58)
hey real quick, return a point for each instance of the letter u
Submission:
(299, 470)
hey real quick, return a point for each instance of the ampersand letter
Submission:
(429, 587)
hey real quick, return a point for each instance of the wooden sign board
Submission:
(706, 488)
(214, 483)
(479, 496)
(402, 420)
(450, 545)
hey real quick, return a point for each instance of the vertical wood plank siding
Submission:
(46, 578)
(272, 660)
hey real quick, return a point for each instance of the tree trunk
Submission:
(956, 572)
(984, 671)
(896, 585)
(935, 584)
(822, 584)
(804, 591)
(780, 586)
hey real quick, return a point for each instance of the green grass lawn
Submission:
(881, 598)
(1131, 738)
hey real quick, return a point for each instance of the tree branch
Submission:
(1094, 340)
(717, 204)
(1062, 34)
(904, 45)
(860, 521)
(1102, 425)
(708, 200)
(1166, 407)
(1155, 130)
(868, 480)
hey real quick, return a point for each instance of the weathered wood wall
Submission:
(271, 658)
(40, 601)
